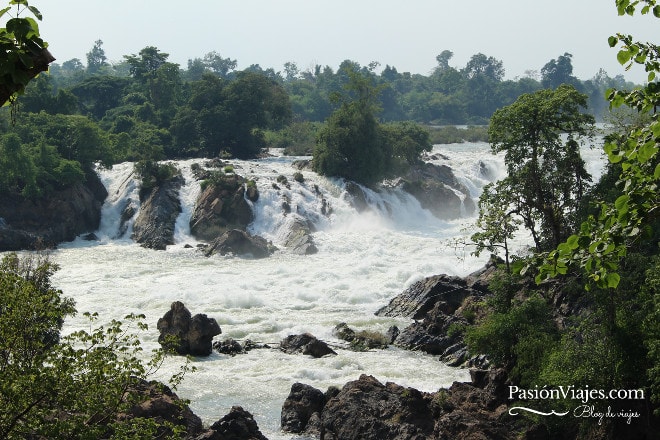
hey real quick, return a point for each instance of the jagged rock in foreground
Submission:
(436, 303)
(160, 403)
(194, 334)
(305, 344)
(46, 222)
(239, 242)
(159, 209)
(237, 425)
(367, 409)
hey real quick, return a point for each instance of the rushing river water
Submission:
(363, 261)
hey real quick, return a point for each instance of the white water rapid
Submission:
(363, 261)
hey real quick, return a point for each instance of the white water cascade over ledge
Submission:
(363, 261)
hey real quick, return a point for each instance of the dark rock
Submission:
(159, 209)
(229, 346)
(343, 332)
(252, 193)
(46, 222)
(194, 334)
(367, 409)
(237, 425)
(299, 238)
(416, 301)
(158, 402)
(392, 333)
(305, 344)
(221, 207)
(437, 189)
(238, 242)
(126, 215)
(91, 237)
(302, 403)
(356, 197)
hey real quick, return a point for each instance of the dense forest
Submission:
(147, 108)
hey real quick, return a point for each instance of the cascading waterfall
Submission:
(364, 260)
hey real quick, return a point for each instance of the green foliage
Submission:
(297, 138)
(455, 135)
(540, 135)
(20, 45)
(406, 140)
(70, 387)
(152, 173)
(520, 338)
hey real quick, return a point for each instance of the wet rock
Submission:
(193, 334)
(368, 409)
(305, 344)
(361, 340)
(237, 425)
(158, 402)
(220, 207)
(240, 243)
(229, 346)
(159, 209)
(304, 404)
(299, 238)
(356, 197)
(423, 295)
(46, 222)
(438, 190)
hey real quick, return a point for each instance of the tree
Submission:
(350, 146)
(74, 386)
(558, 72)
(540, 136)
(96, 58)
(145, 64)
(489, 67)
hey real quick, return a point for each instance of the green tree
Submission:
(96, 58)
(349, 145)
(539, 135)
(557, 72)
(72, 387)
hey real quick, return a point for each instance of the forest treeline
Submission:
(148, 108)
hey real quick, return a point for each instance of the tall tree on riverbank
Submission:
(540, 137)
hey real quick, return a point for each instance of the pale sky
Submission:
(523, 34)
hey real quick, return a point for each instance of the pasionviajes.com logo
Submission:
(583, 396)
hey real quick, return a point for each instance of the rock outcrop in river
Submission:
(48, 221)
(159, 209)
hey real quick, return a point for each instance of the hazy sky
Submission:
(524, 34)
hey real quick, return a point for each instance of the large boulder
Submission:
(299, 238)
(306, 344)
(237, 425)
(192, 334)
(241, 243)
(220, 207)
(304, 404)
(368, 409)
(159, 209)
(159, 403)
(423, 295)
(438, 190)
(48, 221)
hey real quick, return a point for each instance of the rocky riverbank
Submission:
(28, 224)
